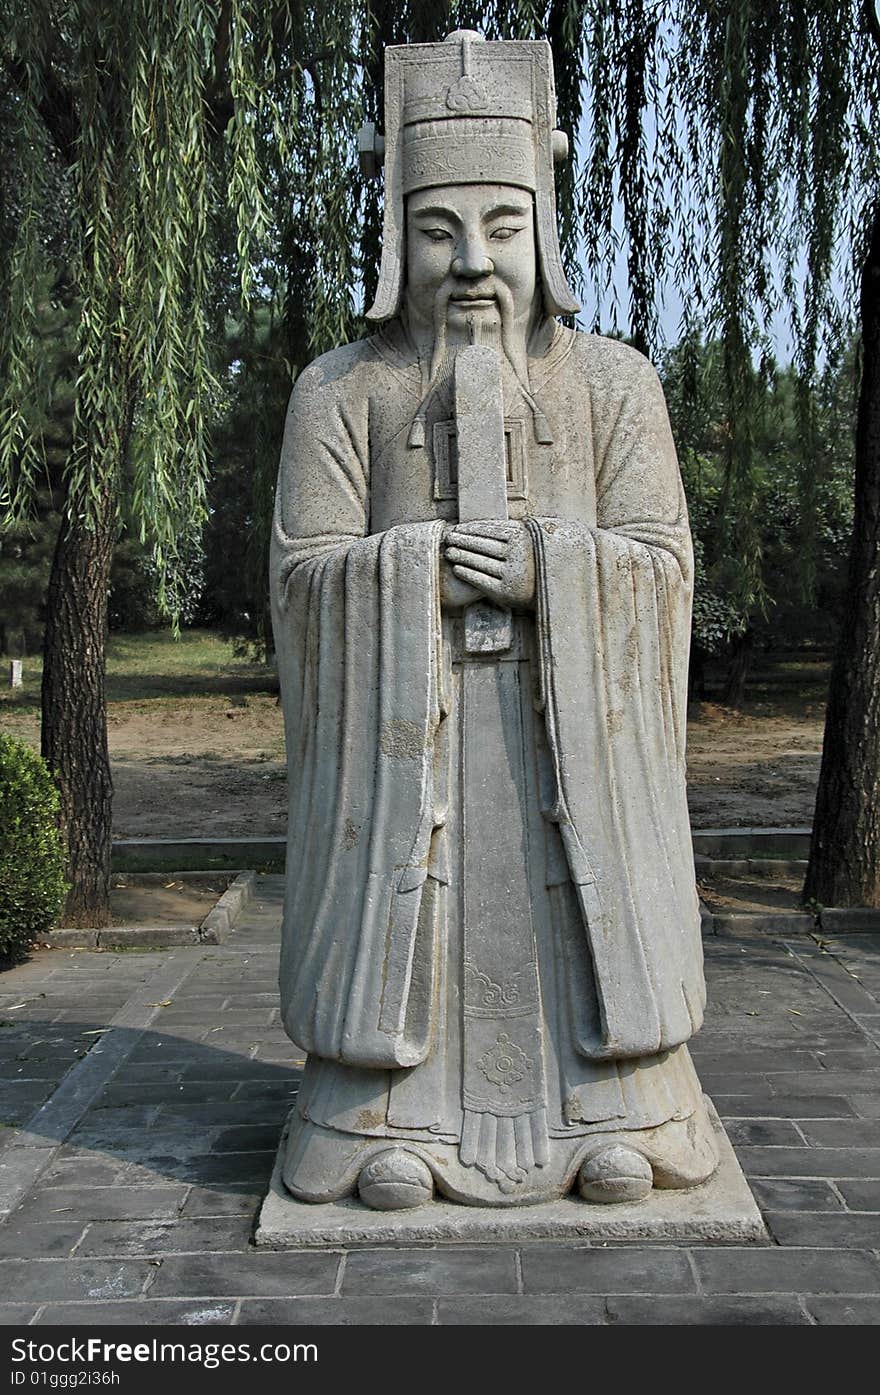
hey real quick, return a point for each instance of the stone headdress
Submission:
(468, 112)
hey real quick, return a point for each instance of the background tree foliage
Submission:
(181, 174)
(803, 543)
(180, 140)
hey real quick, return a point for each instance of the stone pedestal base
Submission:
(721, 1209)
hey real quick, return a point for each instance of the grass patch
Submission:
(154, 665)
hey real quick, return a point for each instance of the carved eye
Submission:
(438, 234)
(504, 234)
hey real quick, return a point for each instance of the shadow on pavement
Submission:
(174, 1110)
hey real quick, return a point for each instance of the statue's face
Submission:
(473, 247)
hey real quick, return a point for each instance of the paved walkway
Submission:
(130, 1181)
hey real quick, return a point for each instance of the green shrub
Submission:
(32, 884)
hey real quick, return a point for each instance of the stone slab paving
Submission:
(145, 1179)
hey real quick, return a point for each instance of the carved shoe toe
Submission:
(617, 1173)
(395, 1180)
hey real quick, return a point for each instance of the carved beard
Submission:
(497, 331)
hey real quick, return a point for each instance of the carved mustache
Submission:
(490, 289)
(512, 347)
(478, 293)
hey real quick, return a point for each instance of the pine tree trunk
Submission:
(734, 689)
(74, 719)
(696, 673)
(844, 867)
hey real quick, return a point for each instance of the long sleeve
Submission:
(613, 619)
(356, 620)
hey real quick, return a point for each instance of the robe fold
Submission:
(364, 658)
(360, 652)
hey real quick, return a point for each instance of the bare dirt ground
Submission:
(753, 768)
(755, 891)
(144, 897)
(197, 750)
(188, 771)
(202, 765)
(182, 772)
(209, 759)
(199, 766)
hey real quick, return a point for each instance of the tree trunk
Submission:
(738, 670)
(844, 867)
(74, 719)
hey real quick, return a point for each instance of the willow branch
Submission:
(56, 106)
(218, 98)
(219, 107)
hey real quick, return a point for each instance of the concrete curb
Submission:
(221, 921)
(758, 922)
(764, 867)
(216, 927)
(221, 854)
(727, 843)
(843, 920)
(831, 920)
(186, 854)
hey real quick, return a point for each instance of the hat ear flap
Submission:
(558, 297)
(552, 147)
(389, 291)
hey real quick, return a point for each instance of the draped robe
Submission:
(365, 657)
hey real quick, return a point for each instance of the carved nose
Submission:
(472, 262)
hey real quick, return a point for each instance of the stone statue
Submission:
(481, 576)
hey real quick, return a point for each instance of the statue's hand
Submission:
(455, 594)
(497, 558)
